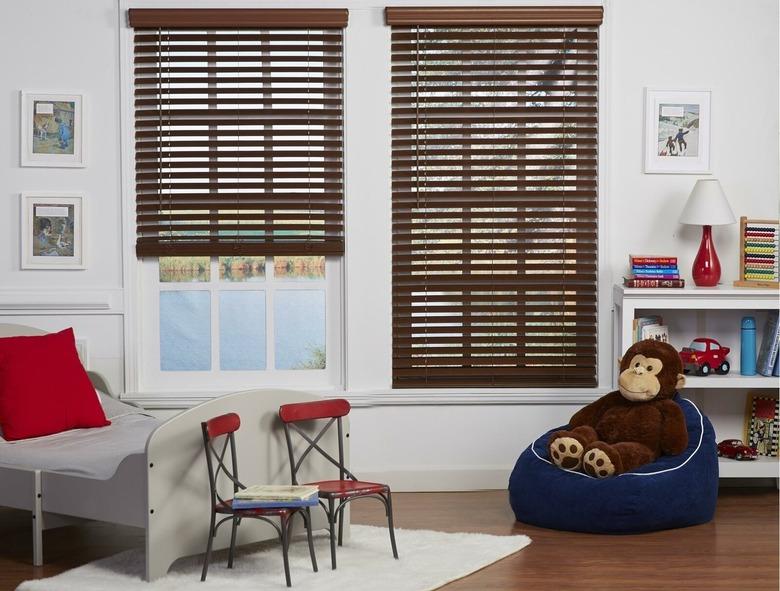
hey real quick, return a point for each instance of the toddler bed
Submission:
(149, 474)
(673, 491)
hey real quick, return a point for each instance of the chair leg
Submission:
(207, 558)
(285, 546)
(341, 523)
(307, 522)
(331, 524)
(232, 551)
(390, 523)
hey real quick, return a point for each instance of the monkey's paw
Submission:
(566, 453)
(596, 462)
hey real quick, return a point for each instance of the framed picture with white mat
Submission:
(677, 131)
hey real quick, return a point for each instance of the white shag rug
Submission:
(427, 560)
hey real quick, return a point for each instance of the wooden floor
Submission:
(738, 550)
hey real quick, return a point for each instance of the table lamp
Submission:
(707, 206)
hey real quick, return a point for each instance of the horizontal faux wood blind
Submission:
(238, 132)
(494, 128)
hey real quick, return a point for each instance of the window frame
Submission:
(140, 280)
(152, 379)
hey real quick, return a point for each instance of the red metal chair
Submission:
(347, 488)
(226, 425)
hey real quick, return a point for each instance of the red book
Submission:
(634, 282)
(649, 259)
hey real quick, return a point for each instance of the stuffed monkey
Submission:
(633, 426)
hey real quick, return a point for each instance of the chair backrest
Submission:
(333, 410)
(224, 425)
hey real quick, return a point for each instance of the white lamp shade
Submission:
(707, 205)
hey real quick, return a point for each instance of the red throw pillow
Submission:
(44, 388)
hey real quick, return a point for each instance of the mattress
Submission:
(88, 453)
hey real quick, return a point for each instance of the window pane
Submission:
(184, 269)
(185, 331)
(299, 327)
(242, 343)
(299, 267)
(241, 268)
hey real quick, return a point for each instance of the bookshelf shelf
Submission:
(713, 312)
(732, 380)
(758, 468)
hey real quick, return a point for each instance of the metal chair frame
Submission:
(283, 529)
(335, 513)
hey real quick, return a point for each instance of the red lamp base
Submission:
(706, 266)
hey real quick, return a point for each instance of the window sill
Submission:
(411, 397)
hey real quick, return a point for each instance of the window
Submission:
(494, 129)
(239, 195)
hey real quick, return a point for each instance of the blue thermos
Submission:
(747, 347)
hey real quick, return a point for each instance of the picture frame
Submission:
(762, 424)
(677, 131)
(53, 129)
(53, 232)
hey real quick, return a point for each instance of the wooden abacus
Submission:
(758, 253)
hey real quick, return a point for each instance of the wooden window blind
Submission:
(238, 131)
(494, 196)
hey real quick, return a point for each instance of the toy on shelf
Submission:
(759, 243)
(736, 450)
(703, 356)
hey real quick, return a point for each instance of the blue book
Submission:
(311, 501)
(672, 268)
(767, 354)
(640, 272)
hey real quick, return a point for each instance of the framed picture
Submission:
(762, 424)
(677, 131)
(53, 129)
(52, 227)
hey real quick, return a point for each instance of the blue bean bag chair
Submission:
(673, 491)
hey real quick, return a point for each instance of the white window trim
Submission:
(186, 388)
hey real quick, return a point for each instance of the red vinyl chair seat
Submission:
(226, 508)
(348, 488)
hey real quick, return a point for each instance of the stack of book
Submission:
(271, 496)
(767, 362)
(650, 327)
(648, 270)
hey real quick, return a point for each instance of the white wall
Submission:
(728, 47)
(48, 45)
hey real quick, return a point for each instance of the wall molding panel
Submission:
(67, 301)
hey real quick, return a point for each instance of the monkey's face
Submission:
(639, 381)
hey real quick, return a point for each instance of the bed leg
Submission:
(37, 522)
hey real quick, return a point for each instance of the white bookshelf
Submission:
(716, 313)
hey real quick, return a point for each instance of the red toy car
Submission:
(734, 448)
(705, 355)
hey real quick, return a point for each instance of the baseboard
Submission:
(443, 479)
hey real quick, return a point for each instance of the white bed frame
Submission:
(165, 490)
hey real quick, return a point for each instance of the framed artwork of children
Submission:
(53, 129)
(52, 229)
(761, 424)
(677, 131)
